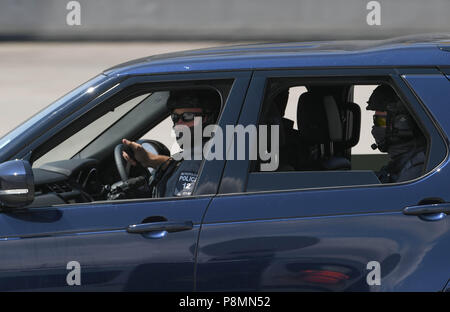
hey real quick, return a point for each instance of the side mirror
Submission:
(16, 184)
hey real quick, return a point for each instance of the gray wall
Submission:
(220, 19)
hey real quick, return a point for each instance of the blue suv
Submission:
(300, 227)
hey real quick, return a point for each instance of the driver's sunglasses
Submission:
(379, 121)
(186, 116)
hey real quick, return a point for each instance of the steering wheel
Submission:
(123, 169)
(152, 146)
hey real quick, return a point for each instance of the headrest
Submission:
(281, 101)
(334, 119)
(318, 118)
(274, 118)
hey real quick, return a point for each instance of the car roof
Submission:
(427, 50)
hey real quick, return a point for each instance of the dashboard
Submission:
(67, 182)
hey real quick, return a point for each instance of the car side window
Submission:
(338, 133)
(79, 140)
(81, 162)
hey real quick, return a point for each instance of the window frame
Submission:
(114, 99)
(238, 171)
(210, 172)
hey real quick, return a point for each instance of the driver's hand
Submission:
(140, 154)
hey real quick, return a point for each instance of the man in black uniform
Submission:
(177, 175)
(396, 133)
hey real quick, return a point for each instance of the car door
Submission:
(357, 237)
(131, 245)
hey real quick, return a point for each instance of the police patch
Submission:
(185, 184)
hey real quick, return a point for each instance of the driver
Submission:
(177, 175)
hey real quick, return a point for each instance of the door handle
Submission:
(167, 226)
(431, 212)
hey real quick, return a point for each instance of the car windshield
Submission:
(85, 87)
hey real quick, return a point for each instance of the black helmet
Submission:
(384, 99)
(207, 99)
(400, 127)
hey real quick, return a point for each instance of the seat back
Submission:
(273, 117)
(320, 126)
